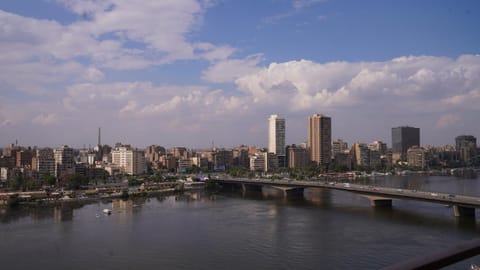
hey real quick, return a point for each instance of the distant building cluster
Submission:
(318, 150)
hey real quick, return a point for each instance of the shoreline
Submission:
(52, 201)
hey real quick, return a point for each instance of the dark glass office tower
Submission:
(404, 138)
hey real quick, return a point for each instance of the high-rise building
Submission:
(24, 158)
(45, 161)
(64, 161)
(297, 157)
(361, 154)
(319, 138)
(378, 146)
(466, 146)
(276, 135)
(402, 139)
(130, 161)
(339, 146)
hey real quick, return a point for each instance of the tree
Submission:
(49, 180)
(16, 183)
(75, 181)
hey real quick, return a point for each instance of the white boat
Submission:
(107, 211)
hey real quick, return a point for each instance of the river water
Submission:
(231, 230)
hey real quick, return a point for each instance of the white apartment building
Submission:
(276, 135)
(130, 161)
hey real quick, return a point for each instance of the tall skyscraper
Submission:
(319, 138)
(402, 139)
(276, 135)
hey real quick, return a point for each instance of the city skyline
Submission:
(389, 142)
(192, 72)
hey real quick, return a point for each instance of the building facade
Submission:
(45, 161)
(297, 157)
(276, 135)
(339, 146)
(319, 139)
(402, 139)
(361, 154)
(466, 146)
(416, 157)
(64, 161)
(378, 146)
(130, 161)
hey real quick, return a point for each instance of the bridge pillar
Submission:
(247, 187)
(293, 192)
(289, 191)
(230, 186)
(462, 211)
(381, 202)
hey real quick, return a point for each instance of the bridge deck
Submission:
(377, 191)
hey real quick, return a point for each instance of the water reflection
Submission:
(197, 230)
(62, 213)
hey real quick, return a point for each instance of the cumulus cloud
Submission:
(42, 52)
(161, 26)
(418, 83)
(143, 99)
(229, 70)
(93, 74)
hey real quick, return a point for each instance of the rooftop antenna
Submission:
(99, 137)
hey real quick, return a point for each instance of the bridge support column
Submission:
(381, 202)
(462, 211)
(293, 192)
(247, 187)
(289, 191)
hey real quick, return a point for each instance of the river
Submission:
(228, 230)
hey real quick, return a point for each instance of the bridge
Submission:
(379, 196)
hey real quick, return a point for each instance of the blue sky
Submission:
(189, 72)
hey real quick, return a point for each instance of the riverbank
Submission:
(42, 198)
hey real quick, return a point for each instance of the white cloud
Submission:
(129, 108)
(299, 4)
(46, 119)
(161, 26)
(447, 120)
(93, 74)
(420, 83)
(231, 69)
(38, 55)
